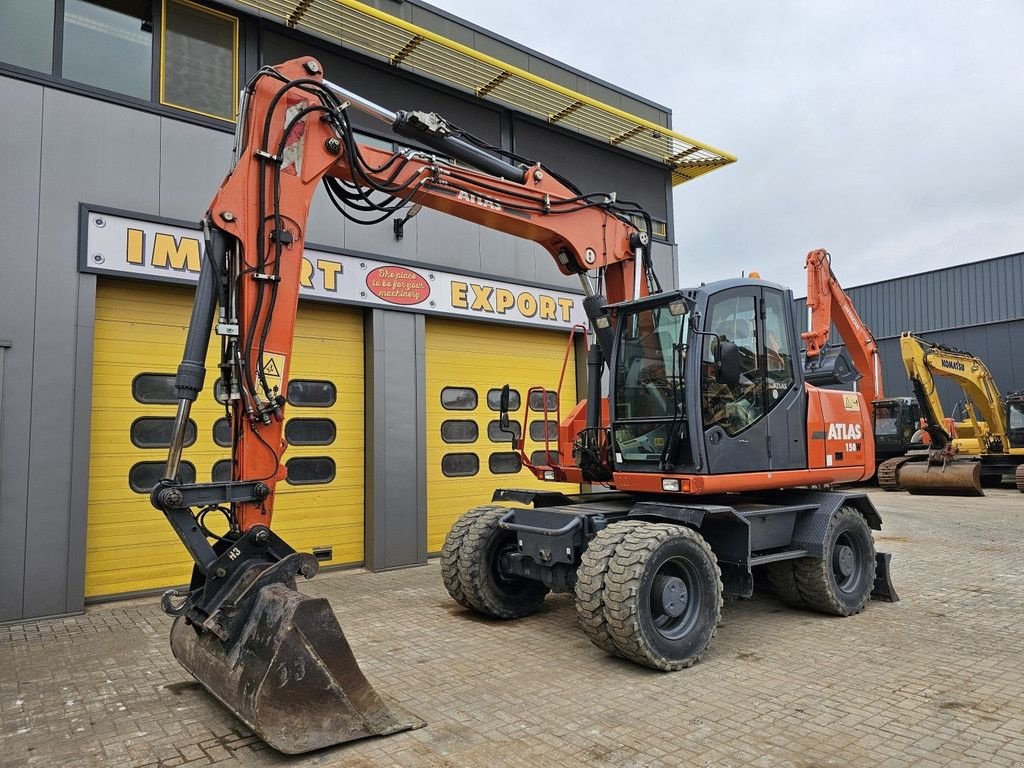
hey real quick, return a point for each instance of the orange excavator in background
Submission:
(708, 439)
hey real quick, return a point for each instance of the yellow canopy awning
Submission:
(362, 28)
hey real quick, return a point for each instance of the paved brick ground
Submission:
(937, 679)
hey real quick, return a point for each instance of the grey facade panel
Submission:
(20, 144)
(194, 162)
(91, 152)
(396, 483)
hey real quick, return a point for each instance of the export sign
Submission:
(120, 245)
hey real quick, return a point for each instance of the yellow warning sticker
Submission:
(273, 369)
(852, 402)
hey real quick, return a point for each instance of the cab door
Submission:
(755, 425)
(735, 431)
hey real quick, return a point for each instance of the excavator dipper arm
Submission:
(828, 304)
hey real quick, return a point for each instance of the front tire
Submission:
(486, 585)
(450, 554)
(663, 596)
(840, 583)
(590, 583)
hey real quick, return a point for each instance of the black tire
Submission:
(487, 588)
(663, 596)
(782, 578)
(840, 583)
(450, 554)
(590, 581)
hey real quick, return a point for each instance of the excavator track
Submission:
(1019, 477)
(889, 473)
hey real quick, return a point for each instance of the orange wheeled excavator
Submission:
(707, 423)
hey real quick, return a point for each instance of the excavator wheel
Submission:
(1019, 477)
(782, 578)
(486, 584)
(956, 478)
(590, 583)
(889, 473)
(662, 596)
(839, 583)
(450, 573)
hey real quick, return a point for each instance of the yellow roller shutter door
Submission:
(139, 336)
(467, 458)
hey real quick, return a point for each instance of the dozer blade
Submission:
(289, 673)
(957, 478)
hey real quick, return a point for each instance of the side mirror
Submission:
(503, 410)
(727, 356)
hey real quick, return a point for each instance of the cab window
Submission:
(778, 355)
(735, 407)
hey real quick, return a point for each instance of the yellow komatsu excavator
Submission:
(987, 445)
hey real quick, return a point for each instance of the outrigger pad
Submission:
(883, 588)
(290, 674)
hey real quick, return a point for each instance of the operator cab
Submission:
(704, 380)
(1015, 419)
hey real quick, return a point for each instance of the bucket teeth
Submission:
(288, 673)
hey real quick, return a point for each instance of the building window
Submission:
(539, 401)
(109, 44)
(154, 388)
(494, 399)
(312, 394)
(540, 458)
(311, 470)
(26, 34)
(458, 398)
(537, 431)
(459, 431)
(460, 464)
(221, 471)
(222, 433)
(199, 60)
(310, 431)
(504, 463)
(496, 435)
(146, 474)
(156, 432)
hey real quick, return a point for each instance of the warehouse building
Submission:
(119, 122)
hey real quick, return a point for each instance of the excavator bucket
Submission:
(956, 478)
(287, 671)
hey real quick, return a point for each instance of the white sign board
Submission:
(130, 247)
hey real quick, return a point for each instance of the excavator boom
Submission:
(277, 658)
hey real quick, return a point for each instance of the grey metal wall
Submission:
(59, 149)
(977, 307)
(979, 292)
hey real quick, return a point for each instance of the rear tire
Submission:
(450, 554)
(840, 583)
(782, 578)
(663, 596)
(590, 583)
(486, 586)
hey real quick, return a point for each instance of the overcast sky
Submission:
(890, 132)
